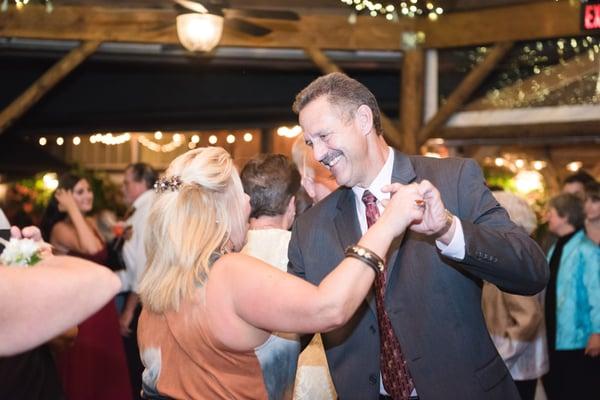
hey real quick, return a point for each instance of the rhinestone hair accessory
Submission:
(172, 183)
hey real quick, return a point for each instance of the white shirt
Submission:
(134, 254)
(456, 247)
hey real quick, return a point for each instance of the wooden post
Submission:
(390, 131)
(46, 82)
(411, 98)
(464, 90)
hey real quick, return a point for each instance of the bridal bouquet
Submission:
(20, 252)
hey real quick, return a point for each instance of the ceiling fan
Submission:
(207, 19)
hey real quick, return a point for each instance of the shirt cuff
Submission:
(456, 248)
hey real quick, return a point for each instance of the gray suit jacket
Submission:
(434, 303)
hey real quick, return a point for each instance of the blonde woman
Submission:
(205, 330)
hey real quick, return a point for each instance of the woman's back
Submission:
(184, 359)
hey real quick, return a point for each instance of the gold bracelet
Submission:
(449, 220)
(367, 256)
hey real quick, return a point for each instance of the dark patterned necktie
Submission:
(394, 371)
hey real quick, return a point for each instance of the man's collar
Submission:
(384, 177)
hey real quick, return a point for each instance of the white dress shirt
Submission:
(134, 254)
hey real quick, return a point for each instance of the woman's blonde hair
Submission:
(188, 226)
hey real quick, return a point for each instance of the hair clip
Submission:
(172, 183)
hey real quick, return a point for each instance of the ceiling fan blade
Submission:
(269, 14)
(246, 27)
(192, 6)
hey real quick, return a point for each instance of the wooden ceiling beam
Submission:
(531, 21)
(512, 23)
(45, 83)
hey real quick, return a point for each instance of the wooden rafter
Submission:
(45, 83)
(411, 98)
(327, 66)
(464, 90)
(518, 22)
(555, 129)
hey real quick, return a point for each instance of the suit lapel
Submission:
(348, 230)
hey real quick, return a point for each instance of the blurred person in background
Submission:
(572, 304)
(138, 181)
(97, 355)
(575, 183)
(592, 211)
(516, 323)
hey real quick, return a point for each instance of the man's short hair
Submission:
(270, 180)
(143, 172)
(569, 206)
(592, 191)
(581, 177)
(342, 91)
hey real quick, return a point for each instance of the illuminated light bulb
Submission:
(439, 10)
(177, 137)
(195, 139)
(50, 181)
(499, 161)
(519, 163)
(42, 141)
(158, 135)
(60, 141)
(212, 139)
(230, 139)
(538, 165)
(528, 181)
(192, 145)
(247, 137)
(76, 140)
(432, 16)
(574, 166)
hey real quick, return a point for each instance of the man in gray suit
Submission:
(434, 274)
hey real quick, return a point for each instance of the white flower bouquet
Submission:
(20, 252)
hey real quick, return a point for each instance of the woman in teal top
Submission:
(572, 305)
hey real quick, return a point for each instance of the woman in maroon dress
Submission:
(95, 366)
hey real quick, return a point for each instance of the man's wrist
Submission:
(448, 225)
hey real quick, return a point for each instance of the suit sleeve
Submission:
(295, 263)
(496, 250)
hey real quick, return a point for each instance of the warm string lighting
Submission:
(22, 3)
(539, 59)
(176, 141)
(109, 139)
(289, 132)
(409, 8)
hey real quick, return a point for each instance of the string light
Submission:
(230, 139)
(158, 135)
(574, 166)
(247, 137)
(176, 141)
(289, 132)
(212, 139)
(60, 141)
(76, 140)
(42, 141)
(110, 139)
(410, 9)
(195, 139)
(530, 60)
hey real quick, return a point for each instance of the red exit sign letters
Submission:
(590, 15)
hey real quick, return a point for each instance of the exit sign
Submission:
(590, 15)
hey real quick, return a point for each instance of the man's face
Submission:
(592, 209)
(337, 143)
(131, 188)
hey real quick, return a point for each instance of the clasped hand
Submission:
(429, 218)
